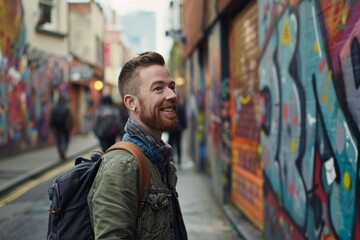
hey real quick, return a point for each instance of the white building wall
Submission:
(55, 41)
(87, 33)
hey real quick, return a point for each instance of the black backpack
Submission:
(107, 121)
(59, 116)
(69, 216)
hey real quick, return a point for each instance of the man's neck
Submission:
(154, 133)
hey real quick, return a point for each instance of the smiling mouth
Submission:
(168, 109)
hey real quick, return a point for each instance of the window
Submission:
(47, 16)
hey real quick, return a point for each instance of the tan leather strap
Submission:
(144, 172)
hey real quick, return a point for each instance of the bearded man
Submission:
(148, 92)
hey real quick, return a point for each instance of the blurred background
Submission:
(72, 48)
(271, 91)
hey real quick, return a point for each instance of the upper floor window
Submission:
(48, 14)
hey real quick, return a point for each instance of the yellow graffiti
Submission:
(292, 145)
(245, 100)
(316, 46)
(346, 181)
(281, 221)
(325, 91)
(345, 13)
(235, 154)
(259, 149)
(286, 34)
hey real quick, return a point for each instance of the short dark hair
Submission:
(129, 71)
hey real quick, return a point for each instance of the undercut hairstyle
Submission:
(129, 75)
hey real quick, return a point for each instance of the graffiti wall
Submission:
(198, 100)
(28, 78)
(245, 124)
(12, 89)
(309, 69)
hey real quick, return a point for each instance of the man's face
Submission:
(157, 99)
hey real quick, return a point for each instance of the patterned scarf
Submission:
(159, 153)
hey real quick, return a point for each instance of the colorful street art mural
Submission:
(309, 70)
(28, 78)
(12, 98)
(197, 112)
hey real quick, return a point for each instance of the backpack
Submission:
(107, 122)
(69, 216)
(59, 116)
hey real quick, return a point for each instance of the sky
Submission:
(160, 8)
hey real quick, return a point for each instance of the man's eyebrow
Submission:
(162, 82)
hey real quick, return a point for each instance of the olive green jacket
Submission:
(113, 202)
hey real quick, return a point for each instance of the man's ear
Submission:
(130, 102)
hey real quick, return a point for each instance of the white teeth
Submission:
(168, 109)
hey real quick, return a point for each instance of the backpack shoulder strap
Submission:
(144, 172)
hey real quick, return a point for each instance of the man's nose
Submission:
(171, 94)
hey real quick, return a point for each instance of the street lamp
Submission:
(98, 85)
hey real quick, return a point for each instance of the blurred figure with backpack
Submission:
(61, 121)
(107, 123)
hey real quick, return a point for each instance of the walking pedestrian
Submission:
(107, 123)
(61, 122)
(175, 135)
(148, 91)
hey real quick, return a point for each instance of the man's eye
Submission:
(157, 89)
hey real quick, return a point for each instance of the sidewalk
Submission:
(17, 169)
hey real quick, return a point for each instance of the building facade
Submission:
(116, 53)
(86, 41)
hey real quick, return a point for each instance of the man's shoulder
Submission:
(118, 157)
